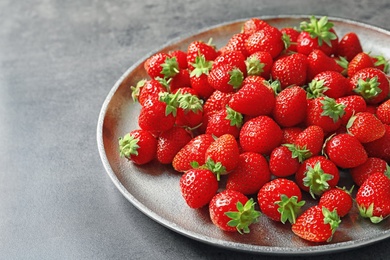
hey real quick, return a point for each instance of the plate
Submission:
(154, 188)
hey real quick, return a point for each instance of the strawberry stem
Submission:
(316, 179)
(170, 67)
(244, 216)
(201, 66)
(332, 109)
(316, 89)
(289, 208)
(190, 102)
(368, 88)
(136, 90)
(331, 218)
(236, 78)
(319, 29)
(128, 145)
(235, 118)
(254, 66)
(302, 153)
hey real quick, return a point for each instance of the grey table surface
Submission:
(58, 61)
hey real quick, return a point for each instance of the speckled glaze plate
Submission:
(154, 188)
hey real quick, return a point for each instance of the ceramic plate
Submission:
(154, 188)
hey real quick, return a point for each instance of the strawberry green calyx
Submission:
(128, 145)
(235, 118)
(289, 208)
(319, 29)
(274, 85)
(343, 63)
(190, 102)
(332, 109)
(381, 60)
(165, 82)
(317, 180)
(201, 66)
(171, 101)
(236, 78)
(136, 90)
(368, 88)
(244, 216)
(216, 167)
(316, 88)
(286, 40)
(299, 152)
(170, 67)
(254, 66)
(369, 213)
(331, 218)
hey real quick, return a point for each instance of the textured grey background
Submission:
(58, 61)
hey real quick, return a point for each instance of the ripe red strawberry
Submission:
(324, 112)
(226, 78)
(380, 148)
(308, 143)
(318, 61)
(349, 46)
(233, 58)
(253, 25)
(138, 146)
(197, 48)
(282, 163)
(290, 70)
(373, 197)
(317, 175)
(290, 134)
(237, 43)
(251, 174)
(317, 224)
(317, 35)
(260, 135)
(383, 112)
(193, 151)
(360, 173)
(199, 76)
(146, 89)
(190, 110)
(330, 83)
(153, 65)
(181, 58)
(290, 107)
(280, 200)
(268, 39)
(224, 121)
(198, 187)
(290, 37)
(253, 93)
(360, 61)
(337, 198)
(170, 142)
(217, 101)
(259, 63)
(372, 84)
(232, 211)
(254, 79)
(352, 104)
(366, 127)
(345, 151)
(223, 150)
(180, 80)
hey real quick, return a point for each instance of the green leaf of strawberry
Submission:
(332, 109)
(244, 217)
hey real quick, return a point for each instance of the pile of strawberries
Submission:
(274, 113)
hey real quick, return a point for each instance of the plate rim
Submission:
(258, 249)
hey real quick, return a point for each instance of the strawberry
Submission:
(217, 101)
(233, 58)
(268, 39)
(253, 25)
(329, 83)
(317, 35)
(360, 173)
(360, 61)
(232, 211)
(226, 78)
(254, 79)
(198, 187)
(190, 110)
(161, 65)
(372, 84)
(317, 224)
(290, 37)
(282, 163)
(290, 70)
(308, 143)
(381, 63)
(290, 134)
(349, 46)
(259, 63)
(170, 142)
(338, 199)
(383, 112)
(280, 200)
(373, 197)
(253, 93)
(345, 151)
(251, 174)
(197, 48)
(199, 76)
(380, 148)
(146, 89)
(290, 107)
(317, 175)
(180, 80)
(181, 58)
(324, 112)
(224, 121)
(138, 146)
(261, 135)
(318, 61)
(223, 150)
(366, 127)
(352, 104)
(193, 151)
(237, 43)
